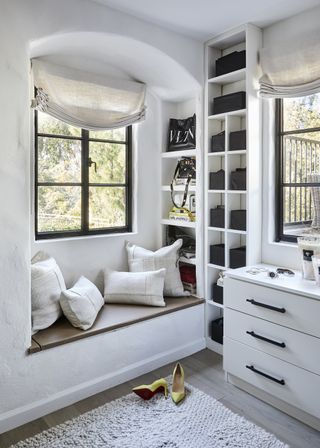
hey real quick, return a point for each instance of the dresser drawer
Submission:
(287, 382)
(290, 345)
(291, 310)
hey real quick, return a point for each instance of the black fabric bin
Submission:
(217, 330)
(237, 140)
(227, 103)
(217, 216)
(217, 293)
(217, 180)
(238, 257)
(218, 142)
(238, 219)
(238, 179)
(231, 62)
(217, 254)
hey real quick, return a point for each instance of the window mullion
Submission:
(85, 182)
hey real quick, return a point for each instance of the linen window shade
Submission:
(86, 100)
(291, 69)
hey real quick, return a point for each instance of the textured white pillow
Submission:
(46, 285)
(140, 260)
(136, 288)
(81, 303)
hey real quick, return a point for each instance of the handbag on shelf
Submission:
(184, 174)
(182, 134)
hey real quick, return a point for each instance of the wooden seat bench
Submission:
(111, 317)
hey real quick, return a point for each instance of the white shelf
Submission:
(217, 154)
(233, 113)
(192, 261)
(216, 266)
(177, 154)
(216, 229)
(237, 152)
(172, 222)
(228, 191)
(214, 346)
(239, 232)
(178, 188)
(212, 303)
(228, 78)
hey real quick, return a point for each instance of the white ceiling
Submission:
(202, 19)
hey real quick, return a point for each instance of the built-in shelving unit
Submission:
(184, 109)
(246, 38)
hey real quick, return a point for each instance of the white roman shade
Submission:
(291, 69)
(86, 100)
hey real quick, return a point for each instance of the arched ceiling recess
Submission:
(116, 55)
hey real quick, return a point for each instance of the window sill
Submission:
(85, 237)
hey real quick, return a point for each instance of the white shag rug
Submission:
(199, 421)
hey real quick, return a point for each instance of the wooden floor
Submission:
(204, 371)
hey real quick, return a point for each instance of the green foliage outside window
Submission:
(62, 152)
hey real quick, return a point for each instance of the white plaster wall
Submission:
(28, 379)
(290, 30)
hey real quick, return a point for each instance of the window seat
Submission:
(111, 317)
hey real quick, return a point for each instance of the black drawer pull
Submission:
(265, 305)
(282, 382)
(255, 335)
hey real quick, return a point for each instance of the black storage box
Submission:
(231, 62)
(217, 330)
(238, 257)
(217, 254)
(217, 293)
(237, 140)
(227, 103)
(238, 179)
(218, 142)
(238, 219)
(217, 180)
(217, 216)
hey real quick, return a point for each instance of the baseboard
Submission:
(37, 409)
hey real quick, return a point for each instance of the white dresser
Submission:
(272, 340)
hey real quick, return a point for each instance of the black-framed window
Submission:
(83, 179)
(297, 158)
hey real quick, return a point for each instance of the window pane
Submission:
(109, 134)
(301, 113)
(49, 125)
(107, 207)
(59, 160)
(59, 209)
(110, 160)
(297, 210)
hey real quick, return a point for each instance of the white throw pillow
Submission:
(136, 288)
(46, 285)
(140, 260)
(81, 303)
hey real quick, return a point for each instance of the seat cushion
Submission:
(81, 303)
(141, 260)
(47, 283)
(135, 288)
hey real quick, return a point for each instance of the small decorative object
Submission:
(316, 268)
(284, 271)
(221, 278)
(256, 271)
(273, 274)
(308, 247)
(182, 134)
